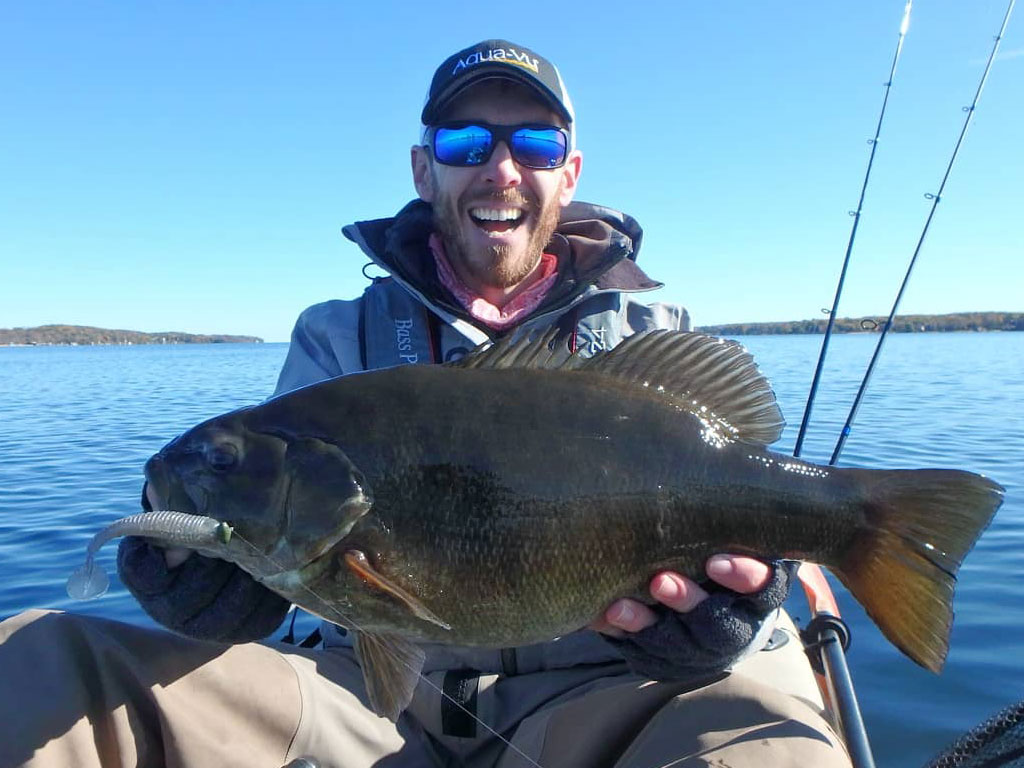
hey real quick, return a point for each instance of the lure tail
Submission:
(88, 581)
(170, 528)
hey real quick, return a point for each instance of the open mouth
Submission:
(162, 490)
(497, 220)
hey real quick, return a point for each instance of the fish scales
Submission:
(565, 491)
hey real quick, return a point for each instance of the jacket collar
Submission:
(596, 246)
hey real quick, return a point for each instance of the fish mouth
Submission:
(157, 495)
(282, 520)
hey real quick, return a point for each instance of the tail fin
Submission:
(902, 567)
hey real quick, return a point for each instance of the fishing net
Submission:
(996, 743)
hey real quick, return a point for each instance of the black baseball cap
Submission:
(496, 59)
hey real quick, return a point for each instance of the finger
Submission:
(151, 498)
(625, 615)
(175, 556)
(739, 573)
(677, 592)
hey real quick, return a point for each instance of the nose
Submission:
(501, 169)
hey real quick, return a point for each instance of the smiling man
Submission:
(497, 168)
(493, 245)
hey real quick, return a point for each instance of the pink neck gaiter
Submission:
(480, 308)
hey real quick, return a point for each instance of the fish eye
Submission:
(221, 456)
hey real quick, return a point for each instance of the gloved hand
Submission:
(707, 638)
(204, 598)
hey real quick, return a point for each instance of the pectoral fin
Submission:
(391, 668)
(358, 563)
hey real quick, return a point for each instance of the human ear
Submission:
(422, 178)
(570, 177)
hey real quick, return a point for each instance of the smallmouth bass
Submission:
(510, 497)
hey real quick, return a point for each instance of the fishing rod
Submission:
(828, 637)
(826, 634)
(935, 198)
(853, 234)
(830, 641)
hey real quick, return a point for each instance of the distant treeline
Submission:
(957, 321)
(85, 335)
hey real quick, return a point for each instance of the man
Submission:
(493, 245)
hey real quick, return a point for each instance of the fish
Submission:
(509, 497)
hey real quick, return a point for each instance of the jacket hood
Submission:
(596, 246)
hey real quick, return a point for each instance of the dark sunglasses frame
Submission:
(505, 133)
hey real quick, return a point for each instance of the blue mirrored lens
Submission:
(539, 147)
(470, 145)
(531, 146)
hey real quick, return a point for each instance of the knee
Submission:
(37, 634)
(22, 620)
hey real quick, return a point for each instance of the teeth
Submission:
(496, 214)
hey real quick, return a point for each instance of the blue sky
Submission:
(188, 166)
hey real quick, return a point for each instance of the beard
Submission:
(501, 265)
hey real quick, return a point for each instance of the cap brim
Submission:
(435, 106)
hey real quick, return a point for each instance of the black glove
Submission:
(204, 598)
(706, 640)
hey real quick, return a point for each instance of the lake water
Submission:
(78, 423)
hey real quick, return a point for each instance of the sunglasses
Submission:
(472, 143)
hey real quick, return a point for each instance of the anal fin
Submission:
(391, 669)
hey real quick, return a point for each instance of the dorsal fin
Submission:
(521, 351)
(715, 379)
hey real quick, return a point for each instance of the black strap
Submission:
(290, 634)
(458, 707)
(312, 640)
(568, 329)
(434, 335)
(361, 333)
